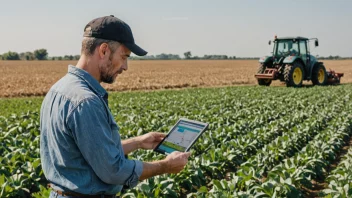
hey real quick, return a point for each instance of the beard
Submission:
(107, 74)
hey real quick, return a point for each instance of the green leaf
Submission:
(202, 189)
(145, 188)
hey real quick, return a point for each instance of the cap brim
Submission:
(136, 49)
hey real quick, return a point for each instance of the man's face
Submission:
(114, 65)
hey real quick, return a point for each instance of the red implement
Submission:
(269, 73)
(333, 77)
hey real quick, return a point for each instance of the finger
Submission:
(158, 139)
(162, 137)
(155, 145)
(177, 153)
(159, 134)
(186, 154)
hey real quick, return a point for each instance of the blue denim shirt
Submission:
(80, 145)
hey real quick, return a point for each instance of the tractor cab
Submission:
(291, 47)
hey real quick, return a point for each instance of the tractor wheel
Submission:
(293, 74)
(263, 82)
(319, 75)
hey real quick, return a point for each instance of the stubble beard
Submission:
(107, 74)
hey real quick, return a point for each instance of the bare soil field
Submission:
(34, 78)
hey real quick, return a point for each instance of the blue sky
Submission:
(231, 27)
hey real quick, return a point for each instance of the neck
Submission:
(89, 64)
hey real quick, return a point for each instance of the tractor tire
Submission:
(319, 75)
(263, 82)
(294, 74)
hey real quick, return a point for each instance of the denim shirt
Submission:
(80, 145)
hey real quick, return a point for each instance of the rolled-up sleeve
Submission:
(100, 145)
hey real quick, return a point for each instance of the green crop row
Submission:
(340, 179)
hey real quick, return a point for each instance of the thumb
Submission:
(187, 154)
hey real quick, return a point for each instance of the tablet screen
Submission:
(182, 136)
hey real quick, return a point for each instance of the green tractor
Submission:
(292, 63)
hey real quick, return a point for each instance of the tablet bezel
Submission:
(156, 149)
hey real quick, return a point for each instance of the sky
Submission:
(229, 27)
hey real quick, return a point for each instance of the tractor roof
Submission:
(291, 38)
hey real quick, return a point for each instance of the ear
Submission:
(103, 50)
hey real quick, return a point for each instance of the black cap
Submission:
(112, 28)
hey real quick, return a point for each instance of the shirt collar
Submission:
(92, 82)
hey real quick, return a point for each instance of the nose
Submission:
(125, 66)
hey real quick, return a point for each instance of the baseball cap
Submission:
(112, 28)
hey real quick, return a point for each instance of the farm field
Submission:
(261, 142)
(34, 78)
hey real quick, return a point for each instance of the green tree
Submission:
(11, 56)
(68, 57)
(41, 54)
(27, 56)
(188, 55)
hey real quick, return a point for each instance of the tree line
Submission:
(42, 54)
(187, 56)
(333, 58)
(39, 54)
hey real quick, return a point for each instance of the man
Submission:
(81, 151)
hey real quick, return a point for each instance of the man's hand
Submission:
(173, 163)
(150, 140)
(176, 161)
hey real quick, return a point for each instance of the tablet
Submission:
(182, 136)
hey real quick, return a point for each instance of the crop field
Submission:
(34, 78)
(261, 142)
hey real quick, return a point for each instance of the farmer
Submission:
(81, 152)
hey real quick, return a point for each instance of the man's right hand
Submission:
(173, 163)
(176, 161)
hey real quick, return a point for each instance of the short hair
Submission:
(89, 44)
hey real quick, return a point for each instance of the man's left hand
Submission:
(150, 140)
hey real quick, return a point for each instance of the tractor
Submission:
(291, 62)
